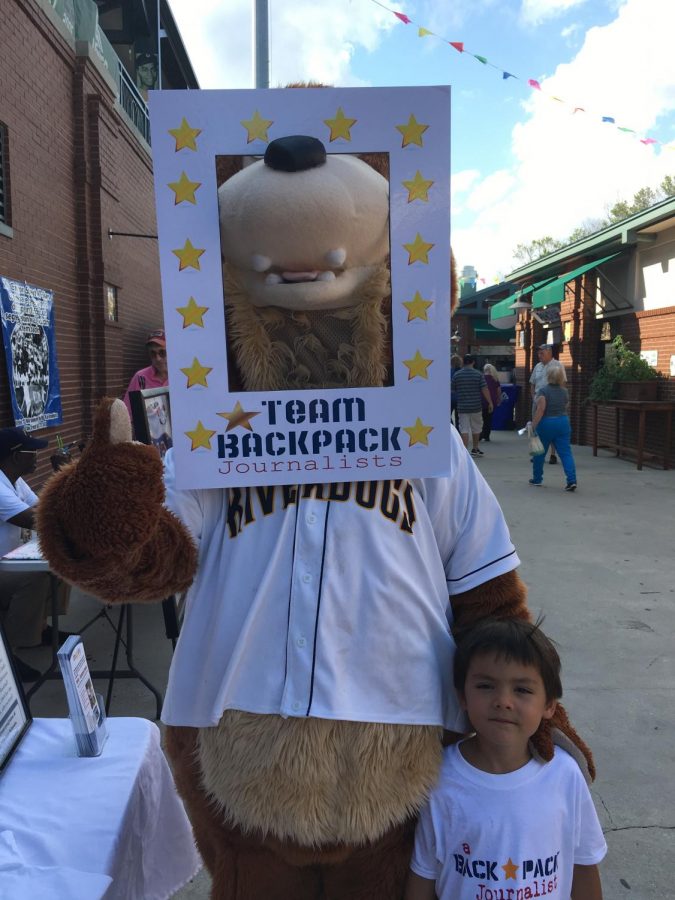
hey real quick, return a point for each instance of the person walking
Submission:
(546, 355)
(551, 422)
(470, 386)
(495, 389)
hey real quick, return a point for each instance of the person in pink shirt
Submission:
(155, 375)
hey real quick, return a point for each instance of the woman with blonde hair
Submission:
(495, 389)
(552, 424)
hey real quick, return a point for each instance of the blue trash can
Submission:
(502, 417)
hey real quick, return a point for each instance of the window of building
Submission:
(111, 308)
(5, 208)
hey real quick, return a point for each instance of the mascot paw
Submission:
(558, 731)
(102, 524)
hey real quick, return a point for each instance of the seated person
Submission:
(24, 596)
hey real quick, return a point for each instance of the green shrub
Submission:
(620, 364)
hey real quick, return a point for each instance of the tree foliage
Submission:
(622, 209)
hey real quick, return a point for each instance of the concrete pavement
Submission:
(599, 564)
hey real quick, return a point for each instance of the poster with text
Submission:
(304, 244)
(27, 314)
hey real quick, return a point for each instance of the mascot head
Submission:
(303, 230)
(305, 246)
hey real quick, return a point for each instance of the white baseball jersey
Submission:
(485, 836)
(331, 600)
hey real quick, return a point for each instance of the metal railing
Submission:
(132, 103)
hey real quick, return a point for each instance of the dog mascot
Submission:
(312, 682)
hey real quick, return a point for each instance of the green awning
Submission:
(502, 309)
(483, 329)
(554, 292)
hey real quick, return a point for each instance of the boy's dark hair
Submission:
(510, 639)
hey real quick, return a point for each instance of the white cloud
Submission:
(491, 190)
(462, 181)
(570, 31)
(308, 40)
(534, 12)
(571, 167)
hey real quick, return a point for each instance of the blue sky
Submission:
(522, 164)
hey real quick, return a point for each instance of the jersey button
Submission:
(296, 706)
(311, 519)
(301, 642)
(307, 578)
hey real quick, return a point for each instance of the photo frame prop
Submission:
(15, 717)
(151, 417)
(228, 433)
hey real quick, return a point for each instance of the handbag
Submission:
(534, 443)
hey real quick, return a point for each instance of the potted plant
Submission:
(624, 375)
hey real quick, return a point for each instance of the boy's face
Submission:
(504, 700)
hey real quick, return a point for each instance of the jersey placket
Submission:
(304, 602)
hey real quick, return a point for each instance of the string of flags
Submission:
(459, 46)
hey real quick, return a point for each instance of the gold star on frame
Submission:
(196, 373)
(192, 313)
(417, 366)
(417, 307)
(510, 870)
(419, 433)
(256, 127)
(184, 189)
(340, 126)
(418, 250)
(200, 436)
(185, 136)
(239, 417)
(418, 187)
(412, 132)
(188, 256)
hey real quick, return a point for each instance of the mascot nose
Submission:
(295, 153)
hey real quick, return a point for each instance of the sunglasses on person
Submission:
(160, 354)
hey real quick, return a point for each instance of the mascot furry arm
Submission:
(283, 806)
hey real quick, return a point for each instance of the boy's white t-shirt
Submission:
(483, 836)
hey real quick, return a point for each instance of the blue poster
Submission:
(27, 314)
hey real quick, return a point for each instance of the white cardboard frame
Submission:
(406, 427)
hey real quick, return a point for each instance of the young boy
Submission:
(500, 825)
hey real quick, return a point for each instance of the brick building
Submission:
(76, 166)
(619, 281)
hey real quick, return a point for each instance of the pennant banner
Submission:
(532, 82)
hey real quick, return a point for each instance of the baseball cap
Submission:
(17, 439)
(545, 347)
(157, 337)
(142, 59)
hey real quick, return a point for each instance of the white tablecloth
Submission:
(84, 829)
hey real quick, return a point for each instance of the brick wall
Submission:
(77, 170)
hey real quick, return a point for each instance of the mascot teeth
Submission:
(260, 263)
(336, 257)
(272, 278)
(326, 276)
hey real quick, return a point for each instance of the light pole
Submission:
(261, 44)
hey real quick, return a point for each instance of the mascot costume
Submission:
(311, 686)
